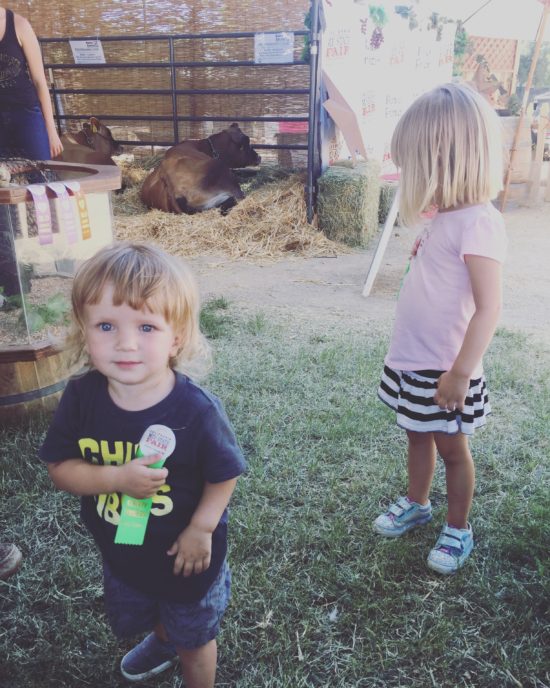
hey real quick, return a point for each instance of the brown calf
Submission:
(196, 175)
(93, 144)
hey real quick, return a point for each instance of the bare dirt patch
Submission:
(331, 287)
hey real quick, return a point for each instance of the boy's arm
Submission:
(486, 278)
(133, 478)
(193, 546)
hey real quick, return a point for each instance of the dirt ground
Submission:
(331, 288)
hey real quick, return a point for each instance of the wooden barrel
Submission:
(31, 381)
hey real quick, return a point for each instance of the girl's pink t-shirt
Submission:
(436, 302)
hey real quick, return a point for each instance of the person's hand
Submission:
(137, 480)
(56, 147)
(193, 550)
(451, 391)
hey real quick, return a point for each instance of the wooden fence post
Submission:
(533, 187)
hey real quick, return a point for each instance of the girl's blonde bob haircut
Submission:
(448, 145)
(143, 277)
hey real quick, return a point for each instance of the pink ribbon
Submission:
(43, 215)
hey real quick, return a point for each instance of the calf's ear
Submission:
(235, 134)
(95, 124)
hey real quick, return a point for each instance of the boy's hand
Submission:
(451, 391)
(193, 550)
(138, 480)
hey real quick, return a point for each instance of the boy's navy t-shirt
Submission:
(89, 425)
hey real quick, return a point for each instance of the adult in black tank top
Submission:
(27, 127)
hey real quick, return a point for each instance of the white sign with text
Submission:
(275, 48)
(88, 52)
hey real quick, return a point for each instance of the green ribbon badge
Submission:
(134, 515)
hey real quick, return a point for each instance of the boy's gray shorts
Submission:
(188, 625)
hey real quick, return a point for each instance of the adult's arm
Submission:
(31, 48)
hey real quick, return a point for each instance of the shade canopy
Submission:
(517, 19)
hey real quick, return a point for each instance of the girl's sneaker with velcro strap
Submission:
(451, 550)
(401, 516)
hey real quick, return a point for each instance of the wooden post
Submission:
(382, 243)
(533, 187)
(540, 35)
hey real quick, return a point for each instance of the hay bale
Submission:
(388, 189)
(347, 202)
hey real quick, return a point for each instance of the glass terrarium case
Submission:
(53, 216)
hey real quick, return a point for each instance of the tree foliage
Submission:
(541, 77)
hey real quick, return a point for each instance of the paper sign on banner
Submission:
(65, 213)
(82, 208)
(42, 210)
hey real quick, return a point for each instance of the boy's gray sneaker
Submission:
(149, 658)
(10, 560)
(401, 516)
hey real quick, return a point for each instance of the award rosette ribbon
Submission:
(73, 187)
(65, 218)
(42, 211)
(134, 515)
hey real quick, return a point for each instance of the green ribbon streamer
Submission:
(134, 515)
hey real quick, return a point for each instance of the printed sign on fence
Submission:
(88, 52)
(274, 48)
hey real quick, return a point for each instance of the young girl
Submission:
(448, 146)
(27, 126)
(135, 317)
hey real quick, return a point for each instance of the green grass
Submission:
(215, 324)
(318, 599)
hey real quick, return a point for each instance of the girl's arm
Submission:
(193, 546)
(31, 48)
(486, 280)
(133, 478)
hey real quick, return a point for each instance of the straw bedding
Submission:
(269, 223)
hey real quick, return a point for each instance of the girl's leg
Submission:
(460, 475)
(421, 465)
(199, 665)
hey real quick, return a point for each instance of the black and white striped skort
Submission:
(411, 396)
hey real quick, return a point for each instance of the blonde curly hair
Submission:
(142, 276)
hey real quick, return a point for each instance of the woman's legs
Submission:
(421, 465)
(460, 475)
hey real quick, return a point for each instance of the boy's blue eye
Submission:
(147, 328)
(105, 327)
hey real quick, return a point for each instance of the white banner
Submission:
(380, 61)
